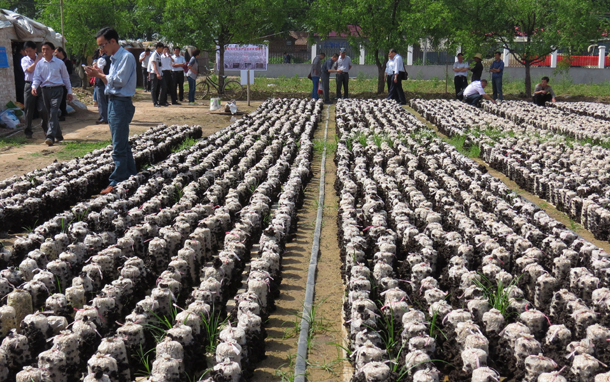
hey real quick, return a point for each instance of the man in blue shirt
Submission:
(497, 69)
(120, 87)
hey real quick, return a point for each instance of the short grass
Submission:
(6, 143)
(361, 86)
(78, 149)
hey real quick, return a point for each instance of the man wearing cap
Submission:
(477, 71)
(460, 76)
(475, 91)
(342, 68)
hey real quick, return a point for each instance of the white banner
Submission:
(242, 57)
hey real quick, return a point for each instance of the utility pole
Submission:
(61, 13)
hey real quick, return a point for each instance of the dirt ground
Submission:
(81, 127)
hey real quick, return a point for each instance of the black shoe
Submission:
(165, 104)
(59, 139)
(157, 105)
(29, 136)
(99, 122)
(176, 103)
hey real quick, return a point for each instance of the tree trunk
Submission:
(380, 73)
(528, 79)
(221, 63)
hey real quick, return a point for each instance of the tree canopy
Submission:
(529, 29)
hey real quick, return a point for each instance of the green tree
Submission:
(378, 25)
(82, 20)
(208, 24)
(529, 29)
(25, 8)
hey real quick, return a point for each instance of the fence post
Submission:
(506, 57)
(314, 53)
(410, 55)
(602, 56)
(362, 54)
(554, 59)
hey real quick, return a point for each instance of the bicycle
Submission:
(232, 89)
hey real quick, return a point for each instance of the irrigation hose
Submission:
(302, 348)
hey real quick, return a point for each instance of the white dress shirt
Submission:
(474, 88)
(26, 62)
(389, 67)
(343, 64)
(166, 62)
(154, 57)
(457, 65)
(51, 73)
(398, 65)
(178, 60)
(146, 58)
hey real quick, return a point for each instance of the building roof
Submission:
(27, 29)
(353, 31)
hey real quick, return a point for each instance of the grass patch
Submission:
(187, 143)
(7, 143)
(78, 149)
(498, 295)
(467, 148)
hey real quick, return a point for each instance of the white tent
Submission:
(27, 29)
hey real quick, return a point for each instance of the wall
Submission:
(7, 75)
(578, 75)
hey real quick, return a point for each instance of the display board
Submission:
(242, 57)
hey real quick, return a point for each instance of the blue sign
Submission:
(3, 58)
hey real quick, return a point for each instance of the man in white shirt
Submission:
(144, 58)
(475, 91)
(159, 88)
(460, 75)
(178, 72)
(398, 75)
(30, 101)
(50, 77)
(342, 68)
(167, 61)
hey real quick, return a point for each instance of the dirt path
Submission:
(81, 127)
(550, 209)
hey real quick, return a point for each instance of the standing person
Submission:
(475, 91)
(158, 84)
(62, 55)
(342, 68)
(192, 74)
(178, 73)
(167, 61)
(543, 93)
(477, 70)
(144, 57)
(103, 63)
(18, 55)
(325, 77)
(50, 78)
(286, 58)
(120, 87)
(389, 75)
(399, 74)
(96, 55)
(315, 73)
(497, 69)
(31, 101)
(460, 76)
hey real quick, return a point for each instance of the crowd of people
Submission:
(164, 73)
(474, 92)
(47, 88)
